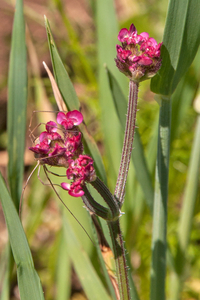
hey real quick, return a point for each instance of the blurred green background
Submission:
(74, 28)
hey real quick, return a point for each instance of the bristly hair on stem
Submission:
(128, 142)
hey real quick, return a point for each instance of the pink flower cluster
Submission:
(139, 56)
(80, 170)
(66, 151)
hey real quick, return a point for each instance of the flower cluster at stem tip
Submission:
(139, 56)
(66, 150)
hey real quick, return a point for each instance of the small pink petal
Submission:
(136, 58)
(146, 61)
(122, 34)
(65, 186)
(144, 35)
(43, 135)
(152, 42)
(58, 150)
(51, 126)
(61, 117)
(119, 48)
(76, 194)
(132, 29)
(76, 116)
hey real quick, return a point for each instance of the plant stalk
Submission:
(128, 142)
(159, 243)
(120, 260)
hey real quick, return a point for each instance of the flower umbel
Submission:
(66, 151)
(139, 56)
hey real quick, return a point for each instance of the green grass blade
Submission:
(138, 157)
(63, 271)
(75, 46)
(4, 273)
(71, 100)
(96, 237)
(91, 283)
(107, 32)
(61, 76)
(181, 101)
(17, 99)
(159, 243)
(190, 190)
(28, 280)
(180, 43)
(187, 212)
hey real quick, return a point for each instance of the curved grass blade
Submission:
(71, 100)
(17, 99)
(28, 280)
(187, 212)
(142, 172)
(91, 283)
(180, 43)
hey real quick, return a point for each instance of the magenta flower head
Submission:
(66, 151)
(139, 56)
(56, 150)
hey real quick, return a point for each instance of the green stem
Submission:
(120, 260)
(94, 207)
(128, 142)
(108, 198)
(159, 244)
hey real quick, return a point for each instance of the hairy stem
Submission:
(128, 142)
(120, 260)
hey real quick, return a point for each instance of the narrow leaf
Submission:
(63, 272)
(90, 281)
(107, 31)
(189, 200)
(17, 98)
(180, 43)
(61, 76)
(28, 280)
(71, 100)
(159, 243)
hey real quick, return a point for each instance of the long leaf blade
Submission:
(17, 99)
(28, 280)
(107, 31)
(92, 285)
(71, 100)
(180, 43)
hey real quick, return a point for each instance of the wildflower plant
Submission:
(67, 144)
